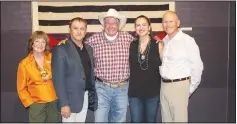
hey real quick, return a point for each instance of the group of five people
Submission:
(98, 77)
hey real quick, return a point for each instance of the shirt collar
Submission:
(176, 37)
(76, 45)
(111, 38)
(46, 57)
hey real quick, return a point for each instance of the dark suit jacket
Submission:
(69, 78)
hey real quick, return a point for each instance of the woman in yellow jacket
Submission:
(34, 81)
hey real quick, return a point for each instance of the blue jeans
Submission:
(112, 103)
(144, 109)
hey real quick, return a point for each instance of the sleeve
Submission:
(196, 64)
(90, 41)
(131, 38)
(130, 54)
(58, 75)
(22, 91)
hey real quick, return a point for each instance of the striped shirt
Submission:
(111, 57)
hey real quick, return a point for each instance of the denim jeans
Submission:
(143, 109)
(112, 103)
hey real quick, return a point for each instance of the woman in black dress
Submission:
(145, 80)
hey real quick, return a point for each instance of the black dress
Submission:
(145, 78)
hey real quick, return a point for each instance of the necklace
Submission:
(143, 57)
(43, 72)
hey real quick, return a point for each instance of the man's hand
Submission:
(62, 41)
(157, 39)
(66, 111)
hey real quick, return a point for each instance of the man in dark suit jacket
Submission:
(73, 75)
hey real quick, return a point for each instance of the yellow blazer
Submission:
(30, 87)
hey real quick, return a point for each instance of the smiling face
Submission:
(38, 42)
(170, 23)
(142, 27)
(111, 26)
(39, 45)
(77, 30)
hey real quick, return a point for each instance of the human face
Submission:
(170, 24)
(39, 45)
(142, 27)
(77, 31)
(111, 26)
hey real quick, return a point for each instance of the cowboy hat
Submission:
(113, 13)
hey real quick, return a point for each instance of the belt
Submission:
(174, 80)
(115, 85)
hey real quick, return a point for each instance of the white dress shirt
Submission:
(181, 58)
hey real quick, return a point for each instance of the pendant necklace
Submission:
(43, 72)
(143, 57)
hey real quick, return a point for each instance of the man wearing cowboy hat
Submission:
(111, 53)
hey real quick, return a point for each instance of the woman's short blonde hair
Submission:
(38, 35)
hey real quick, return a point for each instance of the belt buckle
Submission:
(111, 84)
(116, 85)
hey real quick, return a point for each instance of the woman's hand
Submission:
(160, 45)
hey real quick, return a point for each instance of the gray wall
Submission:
(15, 31)
(213, 100)
(210, 30)
(231, 115)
